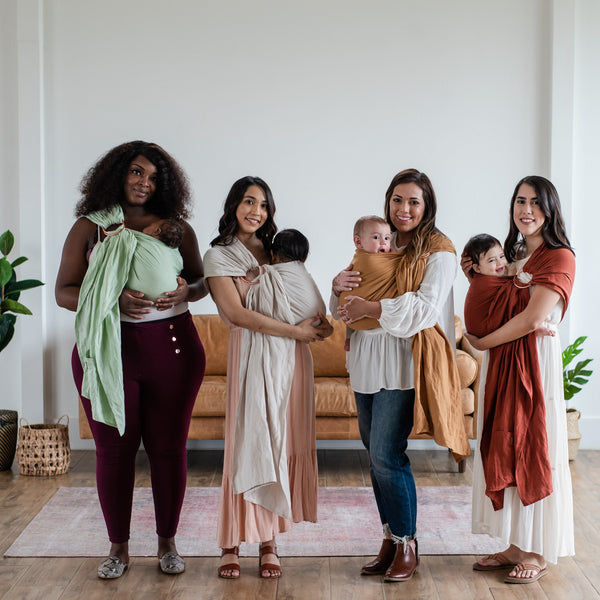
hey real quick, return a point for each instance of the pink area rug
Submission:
(71, 524)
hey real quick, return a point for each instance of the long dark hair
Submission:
(228, 224)
(421, 238)
(553, 230)
(103, 185)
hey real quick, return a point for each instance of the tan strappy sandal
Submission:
(262, 567)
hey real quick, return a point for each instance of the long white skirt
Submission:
(545, 527)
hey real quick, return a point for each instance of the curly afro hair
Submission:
(103, 185)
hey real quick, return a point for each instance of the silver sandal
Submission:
(171, 563)
(112, 568)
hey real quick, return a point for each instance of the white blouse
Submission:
(381, 358)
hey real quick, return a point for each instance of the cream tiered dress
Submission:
(545, 527)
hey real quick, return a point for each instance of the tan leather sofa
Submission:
(336, 411)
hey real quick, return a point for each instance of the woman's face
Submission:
(252, 211)
(407, 209)
(140, 181)
(527, 214)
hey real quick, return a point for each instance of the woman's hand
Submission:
(171, 299)
(476, 342)
(133, 305)
(345, 281)
(306, 332)
(324, 327)
(466, 265)
(357, 308)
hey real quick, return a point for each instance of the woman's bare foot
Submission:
(269, 561)
(121, 551)
(229, 567)
(514, 557)
(531, 567)
(166, 545)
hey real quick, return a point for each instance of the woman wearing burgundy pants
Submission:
(138, 362)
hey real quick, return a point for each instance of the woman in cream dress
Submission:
(543, 531)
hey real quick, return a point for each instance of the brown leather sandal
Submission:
(229, 566)
(262, 567)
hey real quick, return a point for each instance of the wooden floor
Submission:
(439, 577)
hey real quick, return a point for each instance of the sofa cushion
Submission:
(214, 335)
(458, 330)
(334, 397)
(328, 356)
(212, 397)
(467, 397)
(467, 368)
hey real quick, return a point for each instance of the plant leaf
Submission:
(7, 241)
(7, 329)
(18, 261)
(18, 286)
(14, 306)
(6, 271)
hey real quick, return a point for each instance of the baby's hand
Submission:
(252, 273)
(466, 264)
(544, 331)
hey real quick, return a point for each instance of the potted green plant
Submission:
(10, 307)
(10, 290)
(573, 379)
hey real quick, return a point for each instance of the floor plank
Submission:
(333, 578)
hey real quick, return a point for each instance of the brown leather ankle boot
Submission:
(405, 563)
(383, 561)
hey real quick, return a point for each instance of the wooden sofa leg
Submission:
(462, 465)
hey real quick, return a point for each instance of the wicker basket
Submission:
(44, 449)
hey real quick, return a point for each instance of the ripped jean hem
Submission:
(387, 532)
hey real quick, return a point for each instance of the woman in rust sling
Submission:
(521, 480)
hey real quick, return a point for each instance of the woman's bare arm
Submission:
(74, 263)
(228, 300)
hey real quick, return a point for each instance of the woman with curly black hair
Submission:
(138, 362)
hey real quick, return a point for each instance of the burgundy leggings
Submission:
(163, 367)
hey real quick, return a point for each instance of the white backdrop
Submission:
(324, 99)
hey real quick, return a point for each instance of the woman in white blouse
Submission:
(380, 362)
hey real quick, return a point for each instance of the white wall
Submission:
(586, 210)
(325, 99)
(10, 359)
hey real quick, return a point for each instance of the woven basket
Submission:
(44, 449)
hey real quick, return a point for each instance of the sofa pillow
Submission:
(329, 356)
(214, 335)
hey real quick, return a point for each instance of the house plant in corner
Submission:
(573, 379)
(10, 307)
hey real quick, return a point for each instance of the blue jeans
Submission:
(385, 420)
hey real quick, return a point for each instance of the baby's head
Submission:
(487, 255)
(168, 231)
(372, 234)
(288, 245)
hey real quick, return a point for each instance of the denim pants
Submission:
(385, 420)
